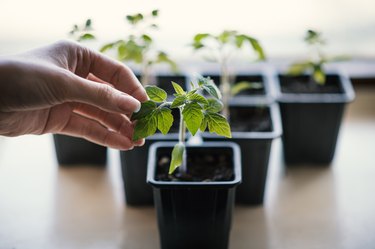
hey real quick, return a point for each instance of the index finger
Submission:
(117, 74)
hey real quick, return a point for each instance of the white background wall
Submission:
(349, 25)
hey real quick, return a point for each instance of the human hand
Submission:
(66, 88)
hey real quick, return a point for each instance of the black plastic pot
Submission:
(255, 140)
(72, 151)
(194, 214)
(311, 121)
(134, 162)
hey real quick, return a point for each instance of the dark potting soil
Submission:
(250, 119)
(239, 78)
(304, 84)
(204, 164)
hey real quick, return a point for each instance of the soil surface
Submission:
(250, 119)
(304, 84)
(203, 165)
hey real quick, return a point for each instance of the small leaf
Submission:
(218, 123)
(156, 94)
(165, 119)
(197, 98)
(177, 157)
(212, 89)
(86, 36)
(106, 47)
(192, 115)
(88, 23)
(178, 101)
(146, 109)
(299, 68)
(199, 37)
(244, 85)
(147, 38)
(145, 127)
(319, 76)
(213, 105)
(155, 12)
(178, 89)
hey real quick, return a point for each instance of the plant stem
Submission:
(225, 88)
(181, 139)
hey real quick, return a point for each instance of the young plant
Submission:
(196, 113)
(82, 32)
(315, 65)
(138, 46)
(220, 49)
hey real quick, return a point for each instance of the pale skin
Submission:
(68, 89)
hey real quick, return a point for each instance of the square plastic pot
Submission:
(194, 214)
(311, 121)
(72, 151)
(255, 148)
(134, 162)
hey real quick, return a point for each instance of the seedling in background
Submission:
(82, 32)
(314, 65)
(196, 111)
(220, 49)
(139, 47)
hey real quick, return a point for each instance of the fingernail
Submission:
(138, 107)
(129, 104)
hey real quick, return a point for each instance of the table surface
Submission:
(43, 205)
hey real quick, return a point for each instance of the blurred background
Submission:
(348, 25)
(43, 205)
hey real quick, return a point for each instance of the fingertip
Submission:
(139, 142)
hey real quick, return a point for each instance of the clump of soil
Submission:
(203, 165)
(305, 84)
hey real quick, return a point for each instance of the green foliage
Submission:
(244, 85)
(197, 113)
(82, 32)
(138, 46)
(315, 65)
(228, 39)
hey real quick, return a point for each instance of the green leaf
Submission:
(88, 23)
(201, 36)
(226, 36)
(218, 123)
(178, 101)
(192, 115)
(244, 85)
(156, 94)
(212, 89)
(164, 58)
(177, 157)
(86, 36)
(155, 12)
(299, 68)
(106, 47)
(213, 105)
(203, 126)
(146, 109)
(147, 38)
(319, 75)
(121, 51)
(145, 127)
(257, 47)
(165, 119)
(197, 98)
(178, 89)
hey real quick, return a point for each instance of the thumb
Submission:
(100, 95)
